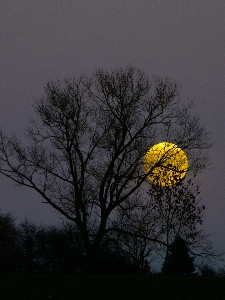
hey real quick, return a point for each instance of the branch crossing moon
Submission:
(166, 163)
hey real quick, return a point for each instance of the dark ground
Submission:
(115, 287)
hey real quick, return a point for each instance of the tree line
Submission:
(30, 248)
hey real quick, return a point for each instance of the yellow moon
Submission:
(166, 163)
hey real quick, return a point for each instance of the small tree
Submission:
(178, 261)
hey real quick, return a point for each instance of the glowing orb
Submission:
(166, 163)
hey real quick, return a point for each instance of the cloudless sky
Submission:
(49, 39)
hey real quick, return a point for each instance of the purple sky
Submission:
(184, 40)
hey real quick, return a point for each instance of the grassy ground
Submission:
(115, 287)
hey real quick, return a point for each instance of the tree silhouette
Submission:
(85, 152)
(178, 260)
(167, 211)
(178, 212)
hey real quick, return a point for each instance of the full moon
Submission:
(166, 163)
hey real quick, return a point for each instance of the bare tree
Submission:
(177, 210)
(85, 152)
(180, 213)
(167, 212)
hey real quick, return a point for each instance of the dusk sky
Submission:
(51, 39)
